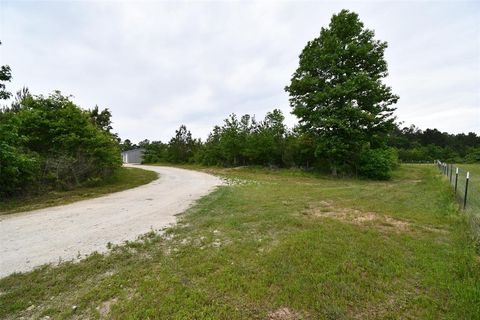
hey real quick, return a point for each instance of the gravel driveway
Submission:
(44, 236)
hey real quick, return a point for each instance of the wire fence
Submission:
(465, 181)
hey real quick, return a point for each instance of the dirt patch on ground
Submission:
(397, 224)
(284, 314)
(435, 229)
(325, 209)
(104, 308)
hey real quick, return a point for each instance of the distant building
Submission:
(133, 156)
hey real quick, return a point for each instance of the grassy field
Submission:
(473, 198)
(279, 244)
(474, 168)
(124, 178)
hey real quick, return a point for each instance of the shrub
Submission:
(378, 163)
(19, 168)
(473, 155)
(51, 142)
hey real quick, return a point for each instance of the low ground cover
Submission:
(279, 244)
(124, 178)
(473, 196)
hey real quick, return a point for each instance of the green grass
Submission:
(473, 196)
(311, 246)
(124, 178)
(474, 183)
(474, 168)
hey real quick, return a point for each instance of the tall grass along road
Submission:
(70, 231)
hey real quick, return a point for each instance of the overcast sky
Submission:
(157, 65)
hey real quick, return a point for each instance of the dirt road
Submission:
(44, 236)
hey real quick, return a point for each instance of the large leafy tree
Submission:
(338, 94)
(72, 146)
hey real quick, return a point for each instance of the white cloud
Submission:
(157, 65)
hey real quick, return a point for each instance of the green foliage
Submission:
(226, 145)
(155, 151)
(5, 76)
(430, 144)
(101, 118)
(51, 142)
(211, 153)
(337, 92)
(418, 154)
(127, 145)
(237, 142)
(248, 142)
(378, 163)
(181, 147)
(266, 143)
(19, 168)
(233, 139)
(473, 155)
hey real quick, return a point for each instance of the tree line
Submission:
(414, 144)
(239, 141)
(51, 143)
(243, 141)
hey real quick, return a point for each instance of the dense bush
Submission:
(49, 142)
(154, 152)
(19, 168)
(378, 163)
(473, 155)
